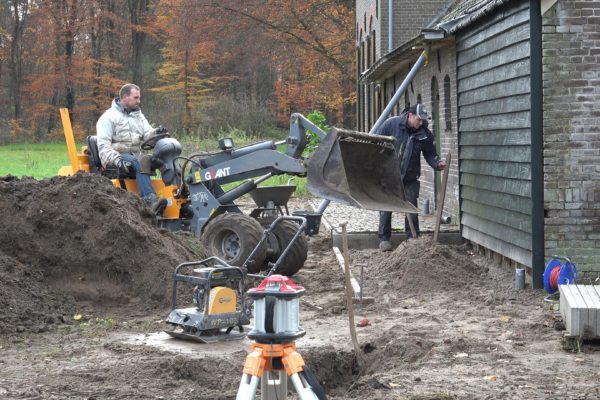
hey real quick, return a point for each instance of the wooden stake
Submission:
(440, 206)
(349, 303)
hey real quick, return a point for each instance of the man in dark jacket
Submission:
(412, 139)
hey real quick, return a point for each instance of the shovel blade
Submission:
(358, 169)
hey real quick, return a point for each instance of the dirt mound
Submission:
(27, 303)
(82, 238)
(422, 266)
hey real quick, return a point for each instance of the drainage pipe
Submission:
(388, 109)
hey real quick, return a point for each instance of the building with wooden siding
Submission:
(513, 86)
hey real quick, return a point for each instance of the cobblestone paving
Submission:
(360, 220)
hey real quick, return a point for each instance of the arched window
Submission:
(368, 55)
(419, 99)
(447, 104)
(406, 100)
(373, 47)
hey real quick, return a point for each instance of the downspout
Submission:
(390, 25)
(537, 144)
(400, 91)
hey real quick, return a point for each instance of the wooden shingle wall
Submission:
(493, 77)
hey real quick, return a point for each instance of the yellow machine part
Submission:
(222, 300)
(168, 192)
(80, 162)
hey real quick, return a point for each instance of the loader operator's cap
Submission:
(420, 111)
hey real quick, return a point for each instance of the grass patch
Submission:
(39, 160)
(43, 160)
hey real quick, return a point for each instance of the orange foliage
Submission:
(295, 56)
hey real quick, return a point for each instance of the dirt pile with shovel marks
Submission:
(417, 268)
(68, 242)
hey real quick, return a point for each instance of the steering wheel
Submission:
(149, 143)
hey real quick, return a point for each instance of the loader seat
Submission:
(93, 154)
(95, 163)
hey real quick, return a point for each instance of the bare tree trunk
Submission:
(71, 20)
(188, 108)
(20, 9)
(96, 40)
(138, 10)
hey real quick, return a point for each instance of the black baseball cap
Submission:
(419, 110)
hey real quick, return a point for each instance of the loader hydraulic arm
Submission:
(296, 140)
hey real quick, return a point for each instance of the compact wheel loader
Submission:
(354, 168)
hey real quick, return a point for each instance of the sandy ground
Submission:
(445, 323)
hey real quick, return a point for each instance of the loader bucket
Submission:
(358, 169)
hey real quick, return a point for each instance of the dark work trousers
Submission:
(411, 191)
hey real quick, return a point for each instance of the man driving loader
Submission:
(120, 131)
(413, 137)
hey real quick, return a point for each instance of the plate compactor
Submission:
(218, 293)
(218, 302)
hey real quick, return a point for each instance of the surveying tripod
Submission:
(272, 364)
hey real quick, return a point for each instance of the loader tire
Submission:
(280, 237)
(232, 237)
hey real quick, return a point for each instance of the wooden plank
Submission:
(501, 73)
(495, 199)
(501, 232)
(521, 102)
(516, 154)
(590, 296)
(349, 304)
(495, 24)
(340, 258)
(595, 289)
(501, 185)
(518, 221)
(518, 254)
(514, 120)
(512, 170)
(516, 34)
(494, 91)
(567, 303)
(519, 52)
(581, 311)
(576, 311)
(496, 138)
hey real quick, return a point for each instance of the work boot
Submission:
(156, 204)
(385, 245)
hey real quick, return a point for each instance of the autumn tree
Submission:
(20, 12)
(185, 53)
(202, 62)
(138, 12)
(314, 51)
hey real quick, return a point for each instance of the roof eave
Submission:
(409, 51)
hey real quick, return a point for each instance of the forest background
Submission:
(203, 66)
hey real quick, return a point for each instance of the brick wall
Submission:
(409, 18)
(571, 75)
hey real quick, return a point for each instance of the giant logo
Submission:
(212, 174)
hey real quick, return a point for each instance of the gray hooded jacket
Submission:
(121, 131)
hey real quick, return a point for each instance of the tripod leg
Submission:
(304, 391)
(273, 385)
(248, 386)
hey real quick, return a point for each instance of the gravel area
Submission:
(360, 220)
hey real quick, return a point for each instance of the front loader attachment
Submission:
(358, 169)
